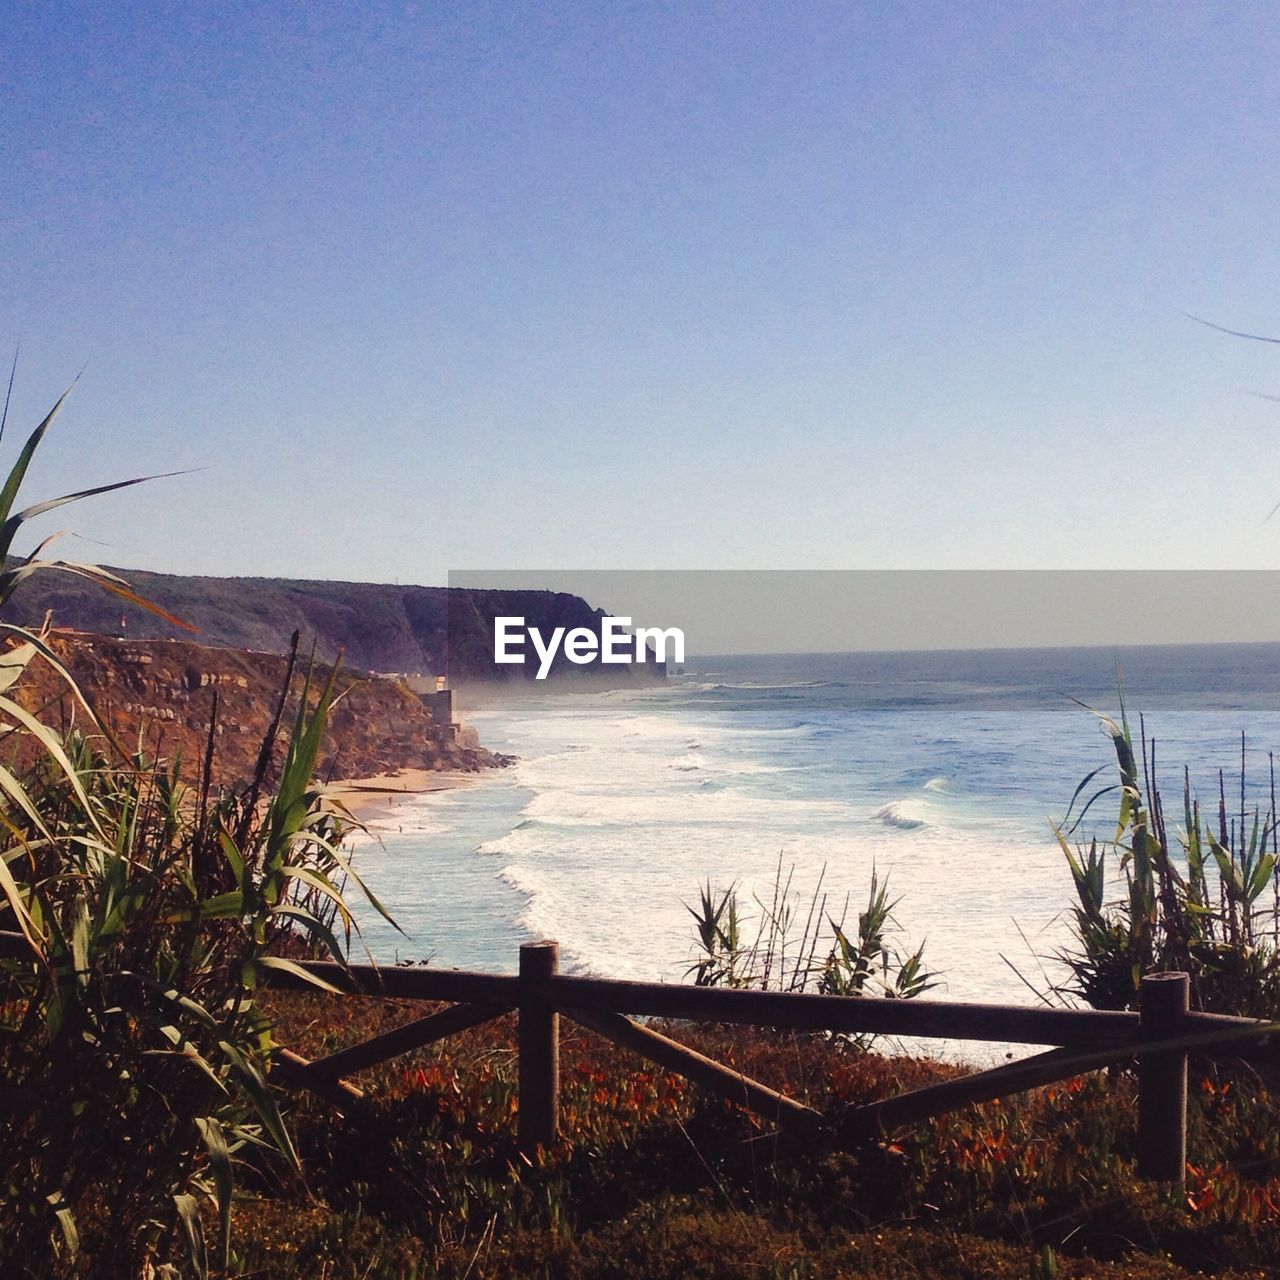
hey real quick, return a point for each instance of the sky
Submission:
(663, 286)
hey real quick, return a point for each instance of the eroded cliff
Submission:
(161, 694)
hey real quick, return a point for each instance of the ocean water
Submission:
(942, 771)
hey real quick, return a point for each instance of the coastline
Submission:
(374, 798)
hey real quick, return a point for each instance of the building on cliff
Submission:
(437, 697)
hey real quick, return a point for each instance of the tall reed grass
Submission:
(1204, 898)
(780, 943)
(134, 1058)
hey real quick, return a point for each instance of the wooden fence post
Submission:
(1162, 1080)
(539, 1038)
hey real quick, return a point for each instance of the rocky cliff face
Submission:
(161, 693)
(378, 627)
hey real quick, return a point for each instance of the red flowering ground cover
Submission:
(654, 1178)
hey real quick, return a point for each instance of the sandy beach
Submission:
(374, 800)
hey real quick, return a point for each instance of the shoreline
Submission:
(369, 799)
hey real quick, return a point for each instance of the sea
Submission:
(944, 774)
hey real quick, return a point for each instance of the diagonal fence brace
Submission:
(713, 1076)
(404, 1039)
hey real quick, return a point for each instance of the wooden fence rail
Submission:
(1159, 1037)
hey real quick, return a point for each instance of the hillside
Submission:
(377, 626)
(160, 693)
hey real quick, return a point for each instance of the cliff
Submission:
(377, 626)
(160, 693)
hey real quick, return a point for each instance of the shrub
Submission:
(782, 955)
(1204, 909)
(140, 916)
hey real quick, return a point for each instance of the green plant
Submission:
(720, 958)
(1201, 905)
(1044, 1264)
(12, 575)
(857, 966)
(140, 918)
(785, 955)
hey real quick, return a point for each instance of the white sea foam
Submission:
(618, 831)
(906, 815)
(623, 803)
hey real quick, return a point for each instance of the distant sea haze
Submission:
(943, 771)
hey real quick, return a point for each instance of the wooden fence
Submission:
(1159, 1036)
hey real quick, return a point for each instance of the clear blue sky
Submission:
(663, 286)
